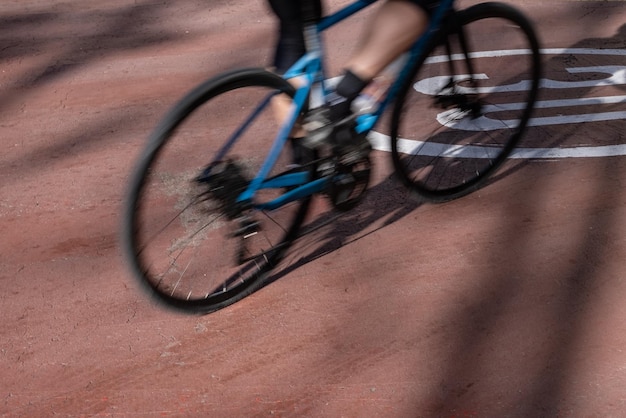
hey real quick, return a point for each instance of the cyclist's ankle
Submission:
(340, 101)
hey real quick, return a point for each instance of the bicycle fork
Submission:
(449, 96)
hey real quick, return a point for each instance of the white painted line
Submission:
(382, 142)
(617, 76)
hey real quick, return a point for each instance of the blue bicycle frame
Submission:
(309, 70)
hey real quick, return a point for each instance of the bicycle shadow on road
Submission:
(538, 322)
(384, 204)
(554, 259)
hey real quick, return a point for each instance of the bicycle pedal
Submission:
(326, 168)
(350, 184)
(322, 131)
(318, 128)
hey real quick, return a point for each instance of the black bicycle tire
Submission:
(464, 17)
(196, 97)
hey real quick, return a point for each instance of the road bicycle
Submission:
(221, 192)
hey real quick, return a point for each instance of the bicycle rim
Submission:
(181, 241)
(462, 114)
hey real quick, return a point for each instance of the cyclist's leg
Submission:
(289, 48)
(290, 43)
(393, 29)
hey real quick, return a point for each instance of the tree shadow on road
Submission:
(512, 339)
(519, 344)
(384, 204)
(49, 52)
(544, 284)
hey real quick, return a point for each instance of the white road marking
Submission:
(617, 76)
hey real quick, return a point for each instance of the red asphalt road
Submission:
(506, 303)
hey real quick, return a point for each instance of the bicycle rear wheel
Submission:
(468, 103)
(182, 233)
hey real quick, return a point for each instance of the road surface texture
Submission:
(509, 302)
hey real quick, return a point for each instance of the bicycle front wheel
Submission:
(182, 233)
(468, 103)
